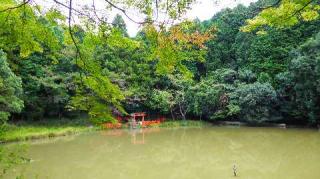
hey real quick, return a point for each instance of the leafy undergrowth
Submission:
(43, 129)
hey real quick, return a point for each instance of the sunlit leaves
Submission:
(152, 8)
(288, 13)
(310, 15)
(54, 16)
(117, 40)
(180, 43)
(96, 94)
(23, 29)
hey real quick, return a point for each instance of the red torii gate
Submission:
(133, 119)
(138, 114)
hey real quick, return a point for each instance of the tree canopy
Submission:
(257, 64)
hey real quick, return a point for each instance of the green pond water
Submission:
(191, 153)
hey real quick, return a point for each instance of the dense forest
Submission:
(235, 66)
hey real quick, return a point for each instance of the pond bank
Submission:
(264, 124)
(55, 128)
(238, 123)
(44, 129)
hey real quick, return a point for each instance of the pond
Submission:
(184, 153)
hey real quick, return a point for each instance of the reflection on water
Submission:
(137, 135)
(179, 153)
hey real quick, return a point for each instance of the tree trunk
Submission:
(183, 114)
(172, 114)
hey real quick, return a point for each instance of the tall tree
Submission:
(299, 87)
(119, 24)
(10, 90)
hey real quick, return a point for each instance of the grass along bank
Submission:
(45, 129)
(54, 127)
(183, 123)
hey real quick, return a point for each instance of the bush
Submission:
(247, 76)
(225, 75)
(256, 102)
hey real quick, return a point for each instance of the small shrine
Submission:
(137, 118)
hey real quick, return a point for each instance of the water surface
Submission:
(177, 154)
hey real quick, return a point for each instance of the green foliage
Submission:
(10, 90)
(120, 25)
(28, 32)
(47, 86)
(221, 52)
(256, 102)
(299, 86)
(247, 76)
(286, 13)
(206, 99)
(225, 75)
(212, 69)
(237, 59)
(264, 78)
(171, 48)
(162, 101)
(97, 97)
(96, 93)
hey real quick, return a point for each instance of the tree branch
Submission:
(78, 53)
(269, 6)
(95, 11)
(299, 10)
(16, 7)
(125, 13)
(81, 13)
(157, 8)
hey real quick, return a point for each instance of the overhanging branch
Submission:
(124, 12)
(270, 6)
(78, 52)
(16, 7)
